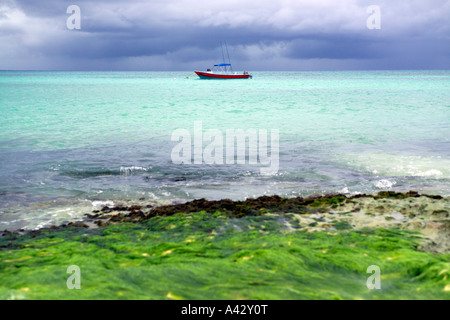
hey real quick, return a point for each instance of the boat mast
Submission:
(223, 57)
(229, 61)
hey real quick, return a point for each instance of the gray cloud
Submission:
(262, 35)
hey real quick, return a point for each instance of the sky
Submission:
(133, 35)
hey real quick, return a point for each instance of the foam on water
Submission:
(390, 164)
(384, 184)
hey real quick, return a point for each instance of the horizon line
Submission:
(343, 70)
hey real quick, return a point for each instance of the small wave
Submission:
(385, 183)
(430, 173)
(132, 169)
(344, 190)
(99, 204)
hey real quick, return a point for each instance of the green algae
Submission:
(214, 256)
(342, 225)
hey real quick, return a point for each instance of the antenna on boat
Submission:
(229, 61)
(223, 57)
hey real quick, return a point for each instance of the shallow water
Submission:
(70, 140)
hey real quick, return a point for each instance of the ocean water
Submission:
(71, 142)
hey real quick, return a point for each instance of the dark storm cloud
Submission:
(180, 34)
(334, 47)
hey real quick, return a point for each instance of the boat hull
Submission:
(209, 75)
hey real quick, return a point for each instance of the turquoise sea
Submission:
(71, 142)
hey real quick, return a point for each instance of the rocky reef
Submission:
(429, 214)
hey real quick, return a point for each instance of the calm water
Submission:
(74, 141)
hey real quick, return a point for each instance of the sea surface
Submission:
(72, 142)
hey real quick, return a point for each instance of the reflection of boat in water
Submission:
(223, 70)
